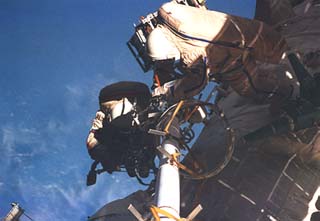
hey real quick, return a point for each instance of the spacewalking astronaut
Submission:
(204, 45)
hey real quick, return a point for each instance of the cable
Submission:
(230, 134)
(28, 217)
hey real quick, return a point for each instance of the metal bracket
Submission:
(136, 213)
(157, 132)
(194, 213)
(190, 217)
(164, 152)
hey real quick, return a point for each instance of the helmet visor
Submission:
(165, 70)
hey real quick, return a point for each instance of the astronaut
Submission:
(115, 139)
(192, 46)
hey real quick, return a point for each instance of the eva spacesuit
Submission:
(205, 44)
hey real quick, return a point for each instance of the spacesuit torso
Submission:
(224, 47)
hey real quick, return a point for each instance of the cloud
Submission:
(7, 140)
(14, 137)
(55, 201)
(81, 99)
(50, 164)
(120, 186)
(76, 202)
(88, 91)
(64, 196)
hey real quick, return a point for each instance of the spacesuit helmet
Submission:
(160, 48)
(116, 108)
(193, 3)
(118, 100)
(164, 55)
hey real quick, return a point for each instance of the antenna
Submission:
(15, 213)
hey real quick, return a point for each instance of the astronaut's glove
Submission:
(166, 89)
(159, 91)
(97, 121)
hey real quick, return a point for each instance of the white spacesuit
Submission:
(205, 44)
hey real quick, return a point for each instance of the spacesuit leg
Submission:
(304, 143)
